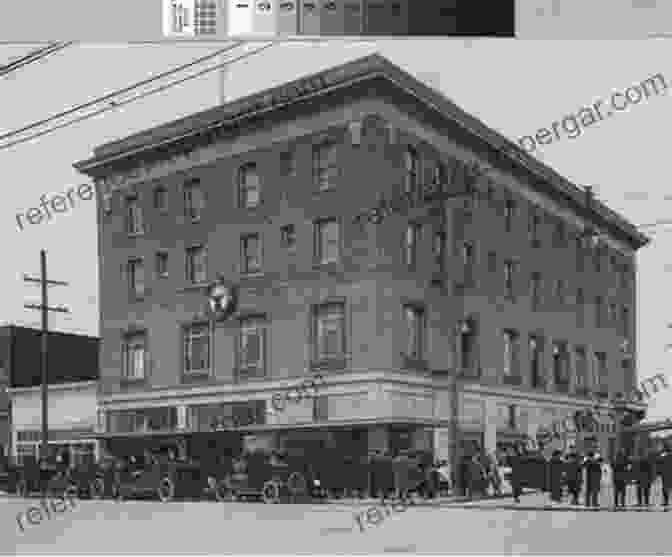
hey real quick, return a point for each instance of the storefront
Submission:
(71, 418)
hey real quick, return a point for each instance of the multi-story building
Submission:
(478, 318)
(71, 396)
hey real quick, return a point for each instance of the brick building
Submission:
(474, 319)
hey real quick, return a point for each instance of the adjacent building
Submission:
(72, 390)
(468, 321)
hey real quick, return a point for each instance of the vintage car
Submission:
(34, 476)
(269, 476)
(157, 476)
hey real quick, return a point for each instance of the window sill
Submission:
(250, 373)
(328, 266)
(474, 374)
(197, 373)
(252, 275)
(135, 234)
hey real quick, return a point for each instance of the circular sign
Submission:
(222, 300)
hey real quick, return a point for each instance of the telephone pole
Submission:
(45, 309)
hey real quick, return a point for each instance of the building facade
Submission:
(72, 391)
(470, 320)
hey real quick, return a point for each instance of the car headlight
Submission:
(317, 483)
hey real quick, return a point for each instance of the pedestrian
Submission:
(665, 470)
(477, 475)
(493, 474)
(515, 461)
(621, 469)
(556, 469)
(574, 476)
(645, 474)
(593, 469)
(465, 476)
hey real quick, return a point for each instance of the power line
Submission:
(33, 56)
(137, 97)
(118, 92)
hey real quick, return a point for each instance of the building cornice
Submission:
(213, 124)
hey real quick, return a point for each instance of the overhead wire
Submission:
(33, 56)
(118, 92)
(116, 104)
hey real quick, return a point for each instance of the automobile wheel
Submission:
(223, 493)
(271, 492)
(296, 483)
(117, 493)
(22, 488)
(97, 488)
(166, 489)
(71, 491)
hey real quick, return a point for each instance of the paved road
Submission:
(137, 527)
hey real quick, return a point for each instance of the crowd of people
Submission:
(578, 477)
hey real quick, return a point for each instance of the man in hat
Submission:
(593, 469)
(621, 468)
(574, 475)
(556, 469)
(665, 470)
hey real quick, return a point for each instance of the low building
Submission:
(72, 390)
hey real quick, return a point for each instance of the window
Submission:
(612, 314)
(329, 331)
(196, 349)
(249, 187)
(509, 272)
(135, 356)
(625, 276)
(439, 247)
(597, 259)
(468, 349)
(579, 253)
(327, 249)
(468, 260)
(560, 292)
(511, 416)
(511, 350)
(251, 346)
(411, 165)
(599, 311)
(320, 408)
(161, 199)
(250, 246)
(601, 372)
(196, 265)
(560, 366)
(194, 202)
(580, 303)
(415, 332)
(288, 236)
(509, 214)
(287, 163)
(162, 264)
(536, 362)
(492, 262)
(133, 216)
(136, 278)
(534, 225)
(411, 244)
(625, 321)
(535, 290)
(581, 363)
(325, 168)
(559, 234)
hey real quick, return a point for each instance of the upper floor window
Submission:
(249, 186)
(559, 234)
(329, 331)
(411, 244)
(415, 331)
(135, 356)
(251, 345)
(411, 169)
(534, 226)
(511, 350)
(196, 348)
(161, 199)
(560, 365)
(469, 262)
(288, 163)
(325, 165)
(509, 274)
(580, 303)
(162, 264)
(535, 290)
(560, 292)
(134, 224)
(196, 265)
(194, 202)
(579, 247)
(536, 361)
(581, 364)
(625, 321)
(327, 248)
(601, 371)
(136, 278)
(599, 311)
(288, 236)
(250, 247)
(509, 214)
(439, 247)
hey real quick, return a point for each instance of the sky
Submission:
(513, 86)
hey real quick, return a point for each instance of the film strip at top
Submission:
(223, 19)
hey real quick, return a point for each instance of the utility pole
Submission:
(45, 309)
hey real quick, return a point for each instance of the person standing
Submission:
(593, 480)
(665, 470)
(574, 475)
(515, 461)
(465, 476)
(621, 475)
(556, 469)
(645, 475)
(493, 474)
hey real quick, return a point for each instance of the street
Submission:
(141, 527)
